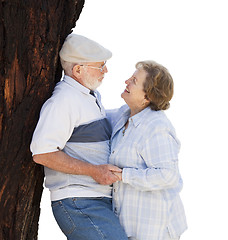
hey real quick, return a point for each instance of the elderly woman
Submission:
(144, 145)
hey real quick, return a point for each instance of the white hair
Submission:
(68, 66)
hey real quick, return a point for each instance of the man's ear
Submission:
(76, 70)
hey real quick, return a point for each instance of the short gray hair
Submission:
(67, 67)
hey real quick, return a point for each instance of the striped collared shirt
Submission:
(74, 121)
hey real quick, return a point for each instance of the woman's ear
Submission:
(146, 101)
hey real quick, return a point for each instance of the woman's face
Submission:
(134, 94)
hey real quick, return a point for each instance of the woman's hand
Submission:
(118, 174)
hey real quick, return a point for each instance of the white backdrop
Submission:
(190, 38)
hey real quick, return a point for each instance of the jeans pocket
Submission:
(63, 217)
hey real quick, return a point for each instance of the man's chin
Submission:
(95, 86)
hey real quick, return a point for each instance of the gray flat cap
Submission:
(77, 48)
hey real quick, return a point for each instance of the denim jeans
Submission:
(88, 219)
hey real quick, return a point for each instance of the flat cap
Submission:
(77, 48)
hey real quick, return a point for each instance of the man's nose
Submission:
(105, 69)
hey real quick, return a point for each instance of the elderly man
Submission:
(71, 141)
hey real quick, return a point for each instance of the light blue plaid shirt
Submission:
(147, 200)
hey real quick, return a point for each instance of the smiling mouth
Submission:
(126, 90)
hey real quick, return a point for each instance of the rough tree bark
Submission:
(31, 34)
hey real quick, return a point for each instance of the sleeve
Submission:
(160, 154)
(54, 128)
(113, 115)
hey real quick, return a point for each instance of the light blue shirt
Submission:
(147, 199)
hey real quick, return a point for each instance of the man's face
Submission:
(92, 74)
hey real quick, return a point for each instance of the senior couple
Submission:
(111, 174)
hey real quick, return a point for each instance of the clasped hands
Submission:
(106, 174)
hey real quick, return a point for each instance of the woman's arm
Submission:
(113, 115)
(160, 154)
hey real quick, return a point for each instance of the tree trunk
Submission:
(31, 34)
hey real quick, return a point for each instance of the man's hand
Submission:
(104, 174)
(60, 161)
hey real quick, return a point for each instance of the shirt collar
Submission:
(75, 84)
(139, 117)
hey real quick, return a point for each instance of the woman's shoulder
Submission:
(158, 120)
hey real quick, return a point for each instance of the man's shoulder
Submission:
(62, 98)
(64, 92)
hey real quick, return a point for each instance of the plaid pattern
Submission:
(147, 199)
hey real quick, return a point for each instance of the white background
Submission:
(190, 38)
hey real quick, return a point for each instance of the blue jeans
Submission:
(88, 219)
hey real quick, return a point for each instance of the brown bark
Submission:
(31, 34)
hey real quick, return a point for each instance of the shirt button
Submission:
(113, 152)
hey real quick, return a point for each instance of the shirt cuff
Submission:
(126, 175)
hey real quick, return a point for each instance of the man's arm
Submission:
(60, 161)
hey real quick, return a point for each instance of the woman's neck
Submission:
(135, 111)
